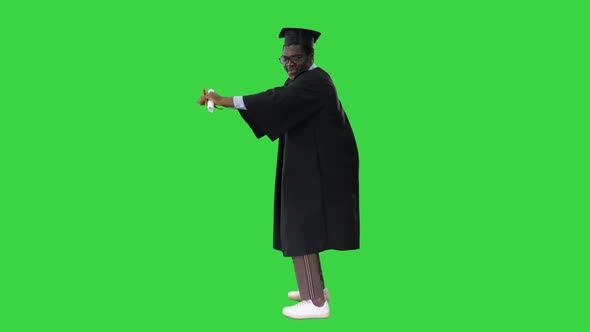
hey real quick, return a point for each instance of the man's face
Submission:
(297, 61)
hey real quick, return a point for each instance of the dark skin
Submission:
(297, 62)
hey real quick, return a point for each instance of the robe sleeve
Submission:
(275, 111)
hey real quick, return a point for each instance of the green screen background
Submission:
(128, 207)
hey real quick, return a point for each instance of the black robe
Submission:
(316, 189)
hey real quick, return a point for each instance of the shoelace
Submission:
(303, 303)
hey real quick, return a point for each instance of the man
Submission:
(316, 204)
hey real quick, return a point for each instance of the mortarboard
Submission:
(296, 36)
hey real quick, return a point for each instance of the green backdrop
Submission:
(127, 207)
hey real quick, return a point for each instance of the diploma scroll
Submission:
(210, 104)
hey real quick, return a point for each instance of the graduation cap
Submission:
(296, 36)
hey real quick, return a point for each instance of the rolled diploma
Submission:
(210, 105)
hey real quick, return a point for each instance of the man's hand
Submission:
(202, 100)
(216, 99)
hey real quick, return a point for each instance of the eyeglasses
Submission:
(295, 58)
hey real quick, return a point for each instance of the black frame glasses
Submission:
(294, 58)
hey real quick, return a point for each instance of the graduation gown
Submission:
(316, 202)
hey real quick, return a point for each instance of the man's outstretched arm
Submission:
(233, 102)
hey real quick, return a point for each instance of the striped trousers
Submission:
(310, 279)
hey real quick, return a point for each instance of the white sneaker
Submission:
(306, 309)
(295, 296)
